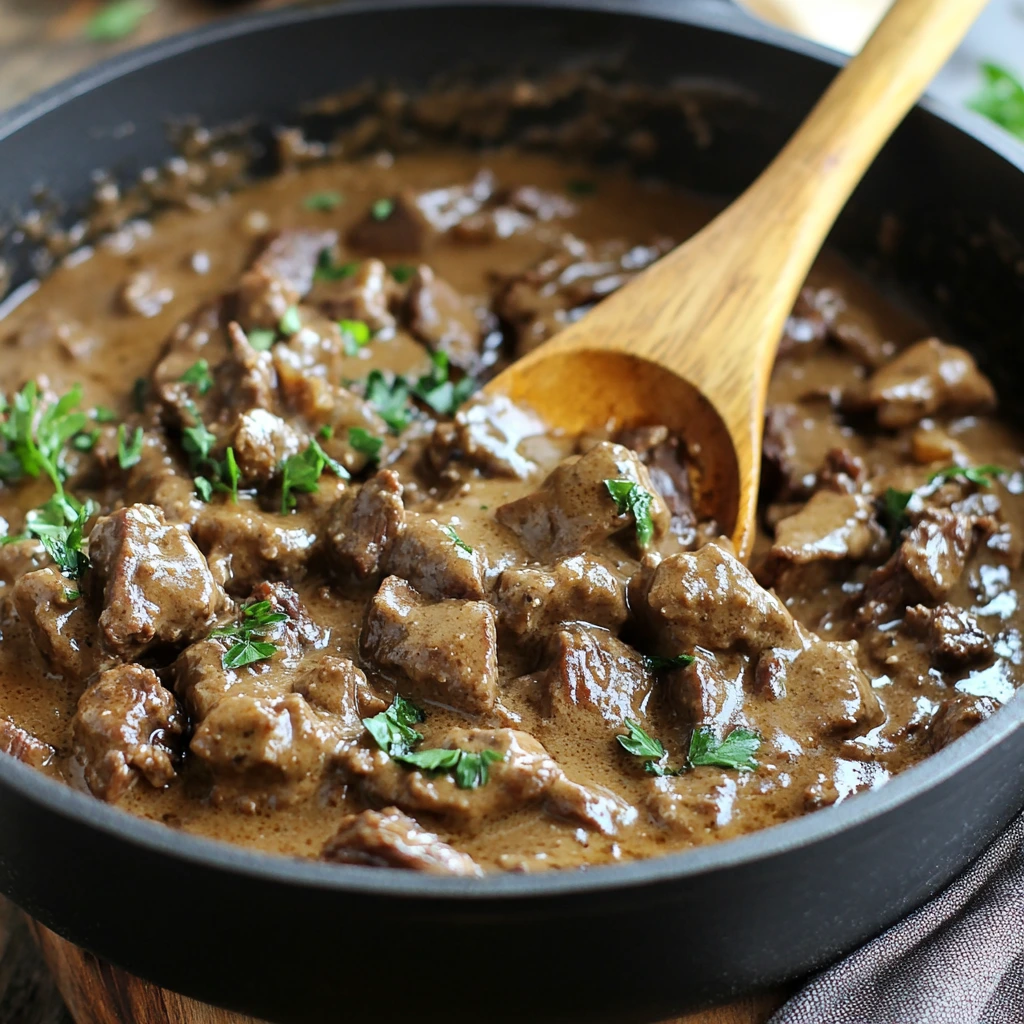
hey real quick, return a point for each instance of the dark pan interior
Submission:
(310, 943)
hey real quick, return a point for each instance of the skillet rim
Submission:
(86, 811)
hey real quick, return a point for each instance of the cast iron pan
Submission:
(297, 941)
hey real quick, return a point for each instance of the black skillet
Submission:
(296, 941)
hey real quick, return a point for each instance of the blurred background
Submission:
(42, 41)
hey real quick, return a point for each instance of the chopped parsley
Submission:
(199, 375)
(203, 487)
(654, 662)
(1001, 99)
(736, 751)
(210, 474)
(301, 473)
(34, 433)
(354, 335)
(403, 272)
(117, 20)
(453, 536)
(257, 621)
(365, 443)
(85, 440)
(261, 340)
(893, 511)
(326, 432)
(390, 399)
(129, 453)
(382, 209)
(328, 270)
(328, 200)
(291, 322)
(980, 476)
(393, 731)
(631, 498)
(104, 414)
(437, 391)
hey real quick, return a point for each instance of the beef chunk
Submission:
(262, 442)
(126, 725)
(523, 777)
(391, 839)
(573, 510)
(364, 524)
(443, 319)
(24, 746)
(925, 379)
(20, 557)
(337, 685)
(280, 275)
(595, 682)
(710, 599)
(444, 651)
(425, 555)
(511, 212)
(594, 807)
(155, 584)
(247, 379)
(64, 630)
(578, 588)
(486, 433)
(201, 336)
(842, 471)
(161, 478)
(448, 207)
(393, 225)
(367, 296)
(953, 636)
(957, 716)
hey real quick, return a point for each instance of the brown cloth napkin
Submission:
(957, 960)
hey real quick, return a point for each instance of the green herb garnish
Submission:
(403, 272)
(735, 751)
(323, 201)
(450, 532)
(291, 322)
(203, 487)
(354, 335)
(893, 512)
(382, 209)
(104, 414)
(630, 497)
(117, 20)
(391, 400)
(393, 729)
(261, 340)
(129, 453)
(326, 432)
(638, 743)
(365, 443)
(654, 662)
(58, 526)
(35, 433)
(199, 375)
(438, 391)
(302, 472)
(86, 440)
(257, 621)
(980, 476)
(1001, 99)
(328, 270)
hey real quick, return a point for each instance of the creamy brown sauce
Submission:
(832, 720)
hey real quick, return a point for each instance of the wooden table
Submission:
(41, 42)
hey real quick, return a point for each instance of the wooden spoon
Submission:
(690, 343)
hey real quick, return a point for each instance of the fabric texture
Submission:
(959, 959)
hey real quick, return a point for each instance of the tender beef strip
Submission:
(927, 379)
(154, 584)
(425, 555)
(683, 808)
(807, 327)
(365, 523)
(566, 283)
(443, 651)
(246, 380)
(842, 471)
(953, 636)
(201, 336)
(446, 208)
(707, 598)
(338, 686)
(402, 229)
(957, 716)
(486, 433)
(281, 274)
(594, 807)
(63, 627)
(367, 296)
(443, 319)
(831, 527)
(578, 588)
(23, 746)
(19, 558)
(391, 839)
(592, 685)
(262, 441)
(931, 444)
(126, 725)
(244, 545)
(161, 478)
(573, 510)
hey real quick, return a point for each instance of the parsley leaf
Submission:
(291, 322)
(233, 475)
(326, 432)
(117, 19)
(104, 414)
(654, 662)
(1001, 99)
(85, 441)
(257, 620)
(402, 273)
(129, 453)
(365, 443)
(199, 374)
(735, 751)
(58, 526)
(438, 391)
(328, 200)
(393, 729)
(637, 742)
(382, 209)
(893, 511)
(980, 476)
(302, 472)
(391, 400)
(354, 335)
(449, 531)
(261, 340)
(203, 487)
(328, 270)
(198, 441)
(630, 497)
(35, 434)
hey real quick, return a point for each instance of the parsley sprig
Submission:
(439, 392)
(209, 474)
(393, 731)
(1001, 99)
(630, 498)
(199, 375)
(365, 443)
(980, 476)
(655, 662)
(452, 534)
(328, 270)
(301, 473)
(390, 398)
(736, 751)
(257, 620)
